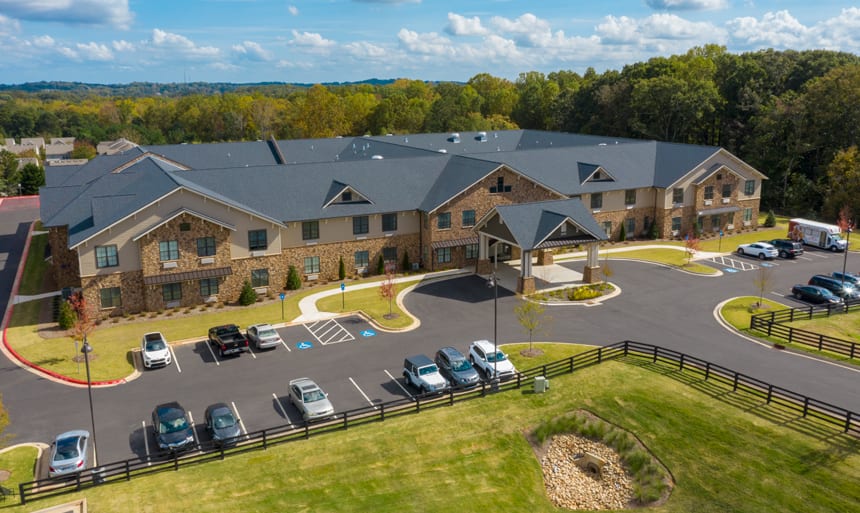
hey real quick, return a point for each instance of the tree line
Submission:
(794, 115)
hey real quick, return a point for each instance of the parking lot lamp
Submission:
(86, 350)
(493, 281)
(848, 230)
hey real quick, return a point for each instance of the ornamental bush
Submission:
(770, 221)
(248, 296)
(294, 282)
(67, 316)
(341, 269)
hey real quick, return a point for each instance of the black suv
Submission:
(787, 248)
(172, 430)
(846, 291)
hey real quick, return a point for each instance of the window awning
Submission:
(721, 210)
(454, 243)
(160, 279)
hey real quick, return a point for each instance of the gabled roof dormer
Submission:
(593, 173)
(340, 193)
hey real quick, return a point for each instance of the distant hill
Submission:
(140, 89)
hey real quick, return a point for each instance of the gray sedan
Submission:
(69, 453)
(309, 398)
(263, 336)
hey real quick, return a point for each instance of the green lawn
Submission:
(371, 303)
(727, 453)
(20, 462)
(35, 268)
(844, 326)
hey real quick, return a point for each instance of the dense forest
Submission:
(793, 115)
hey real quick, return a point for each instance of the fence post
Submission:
(626, 347)
(769, 327)
(127, 471)
(345, 420)
(735, 384)
(382, 412)
(707, 370)
(681, 362)
(769, 392)
(24, 496)
(791, 315)
(544, 370)
(599, 354)
(820, 341)
(790, 333)
(265, 442)
(571, 363)
(853, 346)
(307, 430)
(847, 426)
(519, 380)
(175, 461)
(655, 354)
(805, 406)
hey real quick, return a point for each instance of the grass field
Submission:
(727, 453)
(371, 303)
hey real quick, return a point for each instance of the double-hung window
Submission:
(597, 201)
(727, 190)
(468, 218)
(389, 222)
(443, 255)
(110, 297)
(630, 197)
(362, 259)
(106, 256)
(360, 225)
(312, 265)
(171, 292)
(749, 187)
(310, 230)
(168, 250)
(259, 277)
(208, 287)
(257, 240)
(443, 221)
(206, 246)
(677, 195)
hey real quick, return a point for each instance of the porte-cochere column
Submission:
(591, 273)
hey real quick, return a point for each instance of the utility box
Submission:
(541, 384)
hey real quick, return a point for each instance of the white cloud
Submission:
(529, 30)
(90, 12)
(122, 46)
(311, 39)
(43, 41)
(68, 52)
(181, 45)
(778, 29)
(462, 26)
(94, 52)
(658, 27)
(293, 10)
(688, 5)
(8, 25)
(251, 51)
(430, 43)
(363, 49)
(842, 31)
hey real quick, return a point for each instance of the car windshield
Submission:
(155, 345)
(430, 369)
(267, 333)
(313, 396)
(496, 357)
(173, 425)
(461, 365)
(224, 420)
(67, 448)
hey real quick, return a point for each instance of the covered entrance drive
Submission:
(538, 228)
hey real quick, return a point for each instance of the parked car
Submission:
(154, 349)
(69, 453)
(456, 368)
(310, 399)
(759, 250)
(852, 278)
(420, 372)
(844, 290)
(263, 336)
(815, 294)
(222, 424)
(787, 248)
(484, 355)
(172, 429)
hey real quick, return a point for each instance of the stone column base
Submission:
(484, 267)
(544, 257)
(525, 286)
(592, 275)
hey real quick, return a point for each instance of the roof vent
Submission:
(454, 138)
(602, 144)
(442, 150)
(377, 157)
(482, 137)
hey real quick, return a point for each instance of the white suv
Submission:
(155, 351)
(484, 356)
(422, 373)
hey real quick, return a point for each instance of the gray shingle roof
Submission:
(531, 223)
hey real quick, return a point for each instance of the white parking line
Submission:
(817, 255)
(239, 419)
(360, 391)
(146, 441)
(209, 347)
(283, 410)
(775, 293)
(803, 258)
(251, 350)
(175, 361)
(398, 383)
(285, 345)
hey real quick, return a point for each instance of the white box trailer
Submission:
(820, 235)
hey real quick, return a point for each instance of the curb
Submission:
(14, 356)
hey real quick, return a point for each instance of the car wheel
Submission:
(740, 251)
(783, 254)
(833, 248)
(762, 256)
(797, 295)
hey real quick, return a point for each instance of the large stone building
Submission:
(163, 226)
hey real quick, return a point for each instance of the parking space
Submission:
(329, 331)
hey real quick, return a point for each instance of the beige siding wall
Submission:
(339, 229)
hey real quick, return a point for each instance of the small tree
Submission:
(248, 296)
(606, 269)
(691, 246)
(388, 290)
(406, 265)
(83, 324)
(294, 282)
(67, 316)
(770, 220)
(380, 265)
(32, 177)
(622, 233)
(341, 269)
(762, 281)
(531, 317)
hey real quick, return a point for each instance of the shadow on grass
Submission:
(840, 444)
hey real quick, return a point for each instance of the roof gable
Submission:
(543, 224)
(340, 193)
(593, 173)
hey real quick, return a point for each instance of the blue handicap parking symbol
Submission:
(304, 345)
(368, 333)
(766, 264)
(730, 270)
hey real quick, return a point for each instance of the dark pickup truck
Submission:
(228, 339)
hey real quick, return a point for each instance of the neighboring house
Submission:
(36, 144)
(162, 226)
(113, 147)
(60, 148)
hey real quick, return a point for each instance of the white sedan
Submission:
(760, 250)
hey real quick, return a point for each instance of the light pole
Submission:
(86, 350)
(845, 256)
(493, 281)
(19, 189)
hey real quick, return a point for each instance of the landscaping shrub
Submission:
(622, 233)
(248, 296)
(294, 282)
(341, 269)
(407, 266)
(770, 220)
(67, 316)
(380, 266)
(653, 232)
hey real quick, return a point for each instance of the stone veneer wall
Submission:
(64, 261)
(150, 260)
(131, 292)
(617, 217)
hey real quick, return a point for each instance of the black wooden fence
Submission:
(125, 470)
(773, 325)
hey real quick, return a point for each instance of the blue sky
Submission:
(121, 41)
